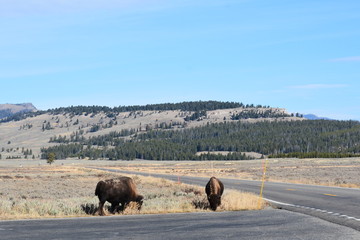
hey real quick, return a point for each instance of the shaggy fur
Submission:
(214, 190)
(117, 191)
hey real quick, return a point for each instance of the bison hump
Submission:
(214, 186)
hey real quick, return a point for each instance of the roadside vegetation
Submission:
(54, 191)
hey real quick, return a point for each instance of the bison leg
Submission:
(101, 208)
(114, 208)
(121, 207)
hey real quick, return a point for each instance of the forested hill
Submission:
(312, 138)
(175, 131)
(192, 106)
(26, 133)
(183, 106)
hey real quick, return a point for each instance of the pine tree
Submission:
(51, 158)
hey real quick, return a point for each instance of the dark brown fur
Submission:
(214, 190)
(117, 191)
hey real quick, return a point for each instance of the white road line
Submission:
(313, 209)
(281, 203)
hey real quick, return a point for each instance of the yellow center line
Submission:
(290, 189)
(327, 194)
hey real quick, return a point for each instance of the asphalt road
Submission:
(334, 204)
(245, 225)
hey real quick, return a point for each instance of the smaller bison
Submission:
(117, 191)
(214, 189)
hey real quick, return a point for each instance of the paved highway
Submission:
(245, 225)
(334, 204)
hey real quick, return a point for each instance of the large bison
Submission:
(117, 191)
(214, 189)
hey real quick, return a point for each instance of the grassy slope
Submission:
(16, 135)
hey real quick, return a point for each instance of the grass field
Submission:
(34, 189)
(68, 191)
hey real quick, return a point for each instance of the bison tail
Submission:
(99, 186)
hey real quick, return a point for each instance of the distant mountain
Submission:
(7, 110)
(314, 117)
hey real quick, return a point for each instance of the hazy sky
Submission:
(300, 55)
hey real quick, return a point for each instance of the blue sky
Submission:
(300, 55)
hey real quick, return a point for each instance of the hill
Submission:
(183, 131)
(25, 134)
(8, 110)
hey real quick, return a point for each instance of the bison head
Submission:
(214, 200)
(139, 200)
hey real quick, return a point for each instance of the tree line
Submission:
(268, 138)
(194, 106)
(268, 113)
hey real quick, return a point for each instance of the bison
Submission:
(117, 191)
(214, 189)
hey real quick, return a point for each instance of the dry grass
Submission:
(237, 201)
(68, 191)
(33, 191)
